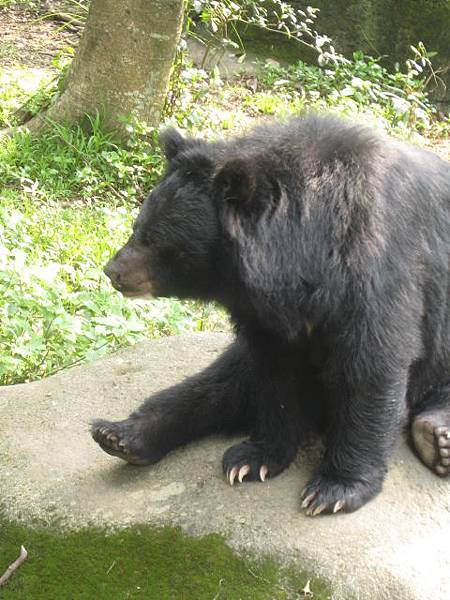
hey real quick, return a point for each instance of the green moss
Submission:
(139, 562)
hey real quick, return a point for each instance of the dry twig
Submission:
(14, 566)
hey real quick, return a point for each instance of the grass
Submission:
(140, 562)
(73, 164)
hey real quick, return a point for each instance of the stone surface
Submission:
(396, 547)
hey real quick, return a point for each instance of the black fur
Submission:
(330, 247)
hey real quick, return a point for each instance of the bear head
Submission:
(182, 241)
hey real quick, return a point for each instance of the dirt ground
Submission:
(30, 36)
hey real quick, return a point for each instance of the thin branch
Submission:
(435, 75)
(14, 566)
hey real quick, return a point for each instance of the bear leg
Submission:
(217, 400)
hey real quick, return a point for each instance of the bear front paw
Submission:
(254, 461)
(127, 440)
(326, 495)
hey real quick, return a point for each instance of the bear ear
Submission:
(236, 180)
(172, 143)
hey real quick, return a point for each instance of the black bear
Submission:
(330, 247)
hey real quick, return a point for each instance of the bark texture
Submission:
(123, 63)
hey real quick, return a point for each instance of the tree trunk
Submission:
(123, 64)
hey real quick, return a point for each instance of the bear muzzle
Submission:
(129, 275)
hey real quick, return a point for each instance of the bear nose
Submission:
(112, 272)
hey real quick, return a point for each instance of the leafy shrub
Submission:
(362, 84)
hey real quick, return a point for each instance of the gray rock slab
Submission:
(397, 547)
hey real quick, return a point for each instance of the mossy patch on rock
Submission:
(139, 562)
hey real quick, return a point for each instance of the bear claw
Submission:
(326, 495)
(263, 473)
(243, 471)
(317, 510)
(251, 461)
(109, 439)
(232, 475)
(307, 501)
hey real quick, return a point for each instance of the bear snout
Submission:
(127, 273)
(113, 273)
